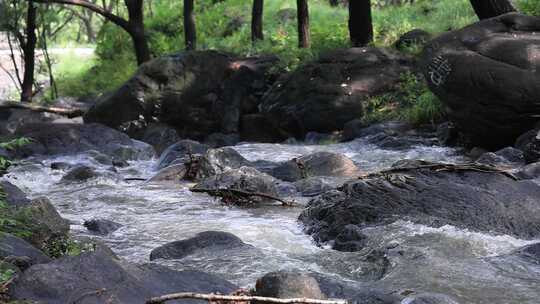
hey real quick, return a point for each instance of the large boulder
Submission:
(219, 160)
(198, 93)
(431, 195)
(488, 76)
(316, 164)
(323, 95)
(98, 277)
(209, 240)
(46, 223)
(60, 138)
(13, 196)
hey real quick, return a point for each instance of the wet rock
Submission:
(171, 173)
(61, 166)
(400, 142)
(530, 171)
(79, 174)
(350, 239)
(179, 152)
(47, 224)
(14, 197)
(197, 93)
(478, 201)
(71, 279)
(496, 101)
(429, 298)
(209, 240)
(323, 95)
(60, 139)
(529, 143)
(138, 150)
(160, 136)
(353, 129)
(15, 250)
(313, 186)
(507, 157)
(316, 164)
(101, 226)
(217, 161)
(245, 179)
(286, 284)
(315, 138)
(216, 140)
(413, 38)
(100, 157)
(120, 163)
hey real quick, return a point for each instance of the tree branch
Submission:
(70, 113)
(213, 297)
(123, 23)
(222, 192)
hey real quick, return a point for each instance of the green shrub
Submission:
(530, 7)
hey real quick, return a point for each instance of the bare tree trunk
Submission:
(190, 32)
(29, 49)
(304, 39)
(485, 9)
(360, 23)
(257, 21)
(136, 30)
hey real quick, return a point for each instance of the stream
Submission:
(471, 267)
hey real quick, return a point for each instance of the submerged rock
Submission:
(101, 226)
(316, 164)
(287, 284)
(323, 95)
(209, 240)
(79, 174)
(478, 201)
(72, 279)
(487, 77)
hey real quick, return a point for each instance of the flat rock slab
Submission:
(479, 201)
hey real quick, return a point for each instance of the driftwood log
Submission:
(228, 298)
(69, 112)
(230, 194)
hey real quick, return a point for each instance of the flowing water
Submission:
(471, 267)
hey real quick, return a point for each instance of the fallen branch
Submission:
(213, 297)
(227, 192)
(70, 113)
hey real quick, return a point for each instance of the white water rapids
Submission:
(468, 266)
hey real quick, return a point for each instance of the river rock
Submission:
(160, 136)
(209, 240)
(529, 143)
(172, 173)
(79, 174)
(47, 224)
(197, 93)
(287, 284)
(59, 139)
(13, 196)
(478, 201)
(15, 250)
(216, 140)
(179, 152)
(323, 95)
(530, 171)
(245, 179)
(488, 78)
(507, 157)
(101, 226)
(72, 279)
(316, 164)
(217, 161)
(313, 186)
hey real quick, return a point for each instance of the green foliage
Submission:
(412, 101)
(11, 145)
(225, 26)
(66, 246)
(14, 221)
(530, 7)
